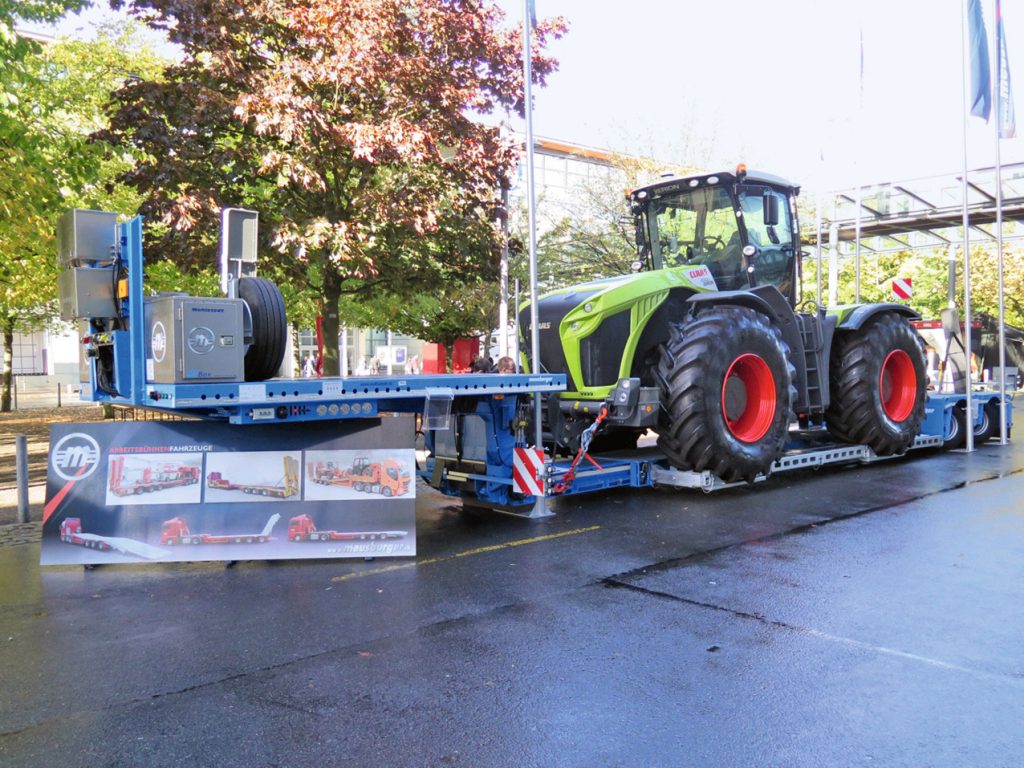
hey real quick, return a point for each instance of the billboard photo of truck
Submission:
(156, 478)
(360, 475)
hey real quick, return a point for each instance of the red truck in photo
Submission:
(387, 477)
(302, 528)
(175, 531)
(71, 533)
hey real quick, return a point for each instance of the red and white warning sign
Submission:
(902, 288)
(528, 471)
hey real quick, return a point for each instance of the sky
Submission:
(774, 84)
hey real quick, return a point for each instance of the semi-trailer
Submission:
(71, 533)
(176, 531)
(169, 475)
(302, 528)
(287, 487)
(386, 477)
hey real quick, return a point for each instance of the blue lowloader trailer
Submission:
(215, 358)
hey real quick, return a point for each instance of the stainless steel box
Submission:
(192, 339)
(85, 293)
(86, 236)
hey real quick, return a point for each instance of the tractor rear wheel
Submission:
(726, 393)
(269, 327)
(877, 383)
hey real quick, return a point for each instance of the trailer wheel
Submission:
(877, 382)
(987, 428)
(726, 393)
(269, 327)
(957, 433)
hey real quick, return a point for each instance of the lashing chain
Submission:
(585, 439)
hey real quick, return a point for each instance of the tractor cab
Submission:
(741, 226)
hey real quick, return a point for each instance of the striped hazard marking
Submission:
(902, 288)
(528, 471)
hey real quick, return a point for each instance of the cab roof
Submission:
(683, 183)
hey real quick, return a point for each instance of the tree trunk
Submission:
(332, 295)
(5, 399)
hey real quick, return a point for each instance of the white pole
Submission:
(999, 228)
(344, 350)
(833, 264)
(966, 54)
(515, 339)
(817, 229)
(391, 357)
(856, 262)
(503, 280)
(539, 510)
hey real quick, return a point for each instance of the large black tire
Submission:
(877, 384)
(269, 327)
(726, 393)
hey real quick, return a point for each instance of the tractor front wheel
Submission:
(877, 383)
(726, 393)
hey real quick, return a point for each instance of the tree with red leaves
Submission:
(349, 124)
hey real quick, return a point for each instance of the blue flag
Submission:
(1004, 92)
(981, 78)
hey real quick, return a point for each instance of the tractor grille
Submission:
(601, 351)
(550, 312)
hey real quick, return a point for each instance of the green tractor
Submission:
(707, 343)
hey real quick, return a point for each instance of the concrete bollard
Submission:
(21, 471)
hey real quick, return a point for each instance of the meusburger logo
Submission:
(75, 456)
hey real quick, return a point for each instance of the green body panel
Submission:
(842, 312)
(642, 293)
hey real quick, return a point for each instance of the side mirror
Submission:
(771, 209)
(636, 265)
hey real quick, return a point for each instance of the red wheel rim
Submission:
(897, 385)
(748, 398)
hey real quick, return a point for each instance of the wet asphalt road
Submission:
(855, 616)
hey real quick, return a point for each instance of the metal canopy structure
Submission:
(921, 213)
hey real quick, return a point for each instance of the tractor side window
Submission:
(774, 242)
(677, 232)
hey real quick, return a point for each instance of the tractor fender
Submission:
(863, 313)
(732, 298)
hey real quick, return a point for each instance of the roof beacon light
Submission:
(741, 170)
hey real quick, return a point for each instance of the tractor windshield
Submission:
(703, 226)
(699, 227)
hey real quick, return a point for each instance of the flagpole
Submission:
(539, 509)
(965, 52)
(1000, 54)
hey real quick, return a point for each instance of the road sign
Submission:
(902, 288)
(528, 471)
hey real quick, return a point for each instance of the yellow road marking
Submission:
(467, 553)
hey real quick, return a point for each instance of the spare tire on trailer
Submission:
(877, 384)
(726, 393)
(269, 327)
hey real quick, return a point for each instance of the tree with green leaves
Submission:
(59, 93)
(348, 124)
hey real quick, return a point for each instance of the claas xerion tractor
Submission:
(707, 341)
